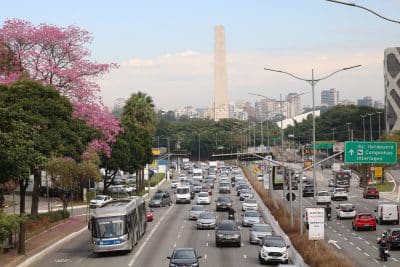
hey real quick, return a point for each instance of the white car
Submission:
(250, 217)
(249, 204)
(345, 210)
(183, 177)
(274, 249)
(323, 197)
(175, 183)
(260, 177)
(203, 198)
(99, 200)
(339, 193)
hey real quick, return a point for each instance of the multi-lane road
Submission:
(360, 246)
(170, 228)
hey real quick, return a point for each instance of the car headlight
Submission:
(236, 235)
(124, 237)
(220, 235)
(195, 264)
(218, 204)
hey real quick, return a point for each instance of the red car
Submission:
(364, 220)
(149, 214)
(206, 188)
(371, 191)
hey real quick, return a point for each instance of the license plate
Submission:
(367, 225)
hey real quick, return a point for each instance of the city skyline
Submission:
(171, 59)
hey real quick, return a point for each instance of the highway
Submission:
(170, 228)
(361, 246)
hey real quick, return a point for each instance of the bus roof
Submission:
(118, 207)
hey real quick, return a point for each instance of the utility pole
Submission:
(370, 124)
(363, 118)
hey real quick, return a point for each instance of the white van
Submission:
(198, 174)
(183, 194)
(387, 213)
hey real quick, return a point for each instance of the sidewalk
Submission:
(41, 244)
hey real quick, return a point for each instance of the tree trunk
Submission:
(21, 238)
(37, 181)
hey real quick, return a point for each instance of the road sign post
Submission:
(371, 152)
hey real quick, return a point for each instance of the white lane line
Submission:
(205, 256)
(342, 226)
(375, 260)
(334, 230)
(207, 244)
(348, 230)
(360, 238)
(339, 234)
(175, 245)
(179, 235)
(353, 234)
(394, 259)
(351, 243)
(182, 227)
(359, 249)
(366, 254)
(375, 248)
(242, 245)
(366, 242)
(244, 256)
(208, 235)
(148, 237)
(345, 238)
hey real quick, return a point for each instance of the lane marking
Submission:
(334, 230)
(359, 249)
(174, 245)
(206, 244)
(242, 245)
(351, 243)
(394, 259)
(244, 256)
(339, 234)
(205, 256)
(366, 254)
(208, 235)
(148, 237)
(179, 235)
(353, 234)
(375, 248)
(366, 242)
(375, 260)
(345, 238)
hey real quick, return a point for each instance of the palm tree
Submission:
(138, 116)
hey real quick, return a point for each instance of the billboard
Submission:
(278, 176)
(315, 217)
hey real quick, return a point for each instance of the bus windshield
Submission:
(109, 227)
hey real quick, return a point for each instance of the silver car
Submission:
(250, 217)
(206, 220)
(258, 231)
(195, 211)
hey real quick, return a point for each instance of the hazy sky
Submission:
(164, 48)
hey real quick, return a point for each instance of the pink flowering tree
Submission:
(57, 56)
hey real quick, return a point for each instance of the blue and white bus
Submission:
(118, 225)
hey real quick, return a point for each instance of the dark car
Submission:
(223, 203)
(160, 199)
(371, 191)
(227, 232)
(308, 191)
(394, 237)
(184, 257)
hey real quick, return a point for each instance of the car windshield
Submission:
(250, 201)
(371, 188)
(203, 194)
(347, 207)
(274, 242)
(206, 215)
(108, 227)
(365, 216)
(251, 213)
(261, 228)
(323, 194)
(245, 191)
(99, 198)
(340, 190)
(223, 199)
(226, 226)
(184, 254)
(157, 196)
(223, 184)
(396, 232)
(196, 208)
(182, 190)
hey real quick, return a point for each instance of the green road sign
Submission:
(324, 145)
(371, 152)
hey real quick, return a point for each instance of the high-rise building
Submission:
(379, 104)
(293, 105)
(330, 97)
(365, 101)
(221, 104)
(392, 88)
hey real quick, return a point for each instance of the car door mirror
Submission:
(199, 257)
(250, 230)
(288, 246)
(376, 210)
(169, 257)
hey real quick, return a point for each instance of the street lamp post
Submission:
(363, 118)
(199, 147)
(348, 130)
(370, 124)
(313, 82)
(333, 134)
(379, 123)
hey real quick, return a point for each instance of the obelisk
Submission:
(221, 104)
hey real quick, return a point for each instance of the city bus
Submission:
(118, 225)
